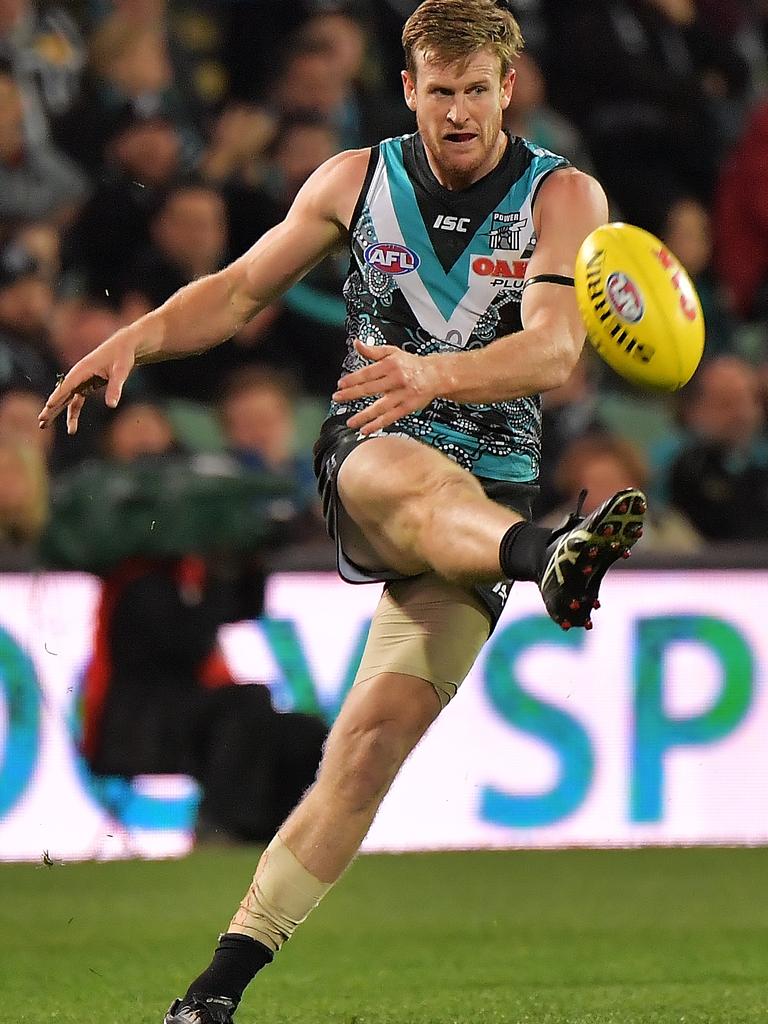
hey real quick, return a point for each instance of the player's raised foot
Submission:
(200, 1010)
(582, 551)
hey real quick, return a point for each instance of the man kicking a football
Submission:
(461, 311)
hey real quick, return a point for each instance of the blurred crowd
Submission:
(144, 143)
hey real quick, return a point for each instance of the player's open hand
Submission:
(106, 367)
(404, 382)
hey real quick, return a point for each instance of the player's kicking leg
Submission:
(420, 511)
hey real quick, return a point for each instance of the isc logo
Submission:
(391, 258)
(447, 223)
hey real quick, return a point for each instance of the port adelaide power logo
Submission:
(505, 230)
(391, 258)
(502, 269)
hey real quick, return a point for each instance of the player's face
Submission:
(458, 112)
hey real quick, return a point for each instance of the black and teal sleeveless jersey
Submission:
(439, 271)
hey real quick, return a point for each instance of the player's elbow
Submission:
(243, 296)
(563, 359)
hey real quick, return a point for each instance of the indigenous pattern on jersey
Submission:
(440, 271)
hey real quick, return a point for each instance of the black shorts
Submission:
(334, 444)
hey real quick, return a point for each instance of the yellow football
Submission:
(639, 306)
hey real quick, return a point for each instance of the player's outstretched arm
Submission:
(213, 308)
(541, 356)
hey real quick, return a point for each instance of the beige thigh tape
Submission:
(429, 628)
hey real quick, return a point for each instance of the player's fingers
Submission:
(364, 390)
(73, 413)
(373, 412)
(386, 419)
(367, 375)
(375, 352)
(118, 375)
(55, 403)
(79, 381)
(115, 385)
(370, 412)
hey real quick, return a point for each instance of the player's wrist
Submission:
(445, 373)
(145, 338)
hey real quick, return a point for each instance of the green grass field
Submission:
(585, 937)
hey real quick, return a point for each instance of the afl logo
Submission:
(391, 258)
(625, 297)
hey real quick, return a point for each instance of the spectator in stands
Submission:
(305, 332)
(345, 35)
(602, 464)
(42, 240)
(189, 239)
(687, 230)
(720, 477)
(18, 420)
(257, 415)
(530, 116)
(370, 110)
(44, 49)
(26, 305)
(742, 23)
(291, 150)
(313, 80)
(644, 79)
(194, 39)
(240, 137)
(741, 221)
(23, 503)
(36, 180)
(568, 412)
(141, 12)
(77, 326)
(138, 429)
(254, 34)
(168, 703)
(142, 157)
(130, 69)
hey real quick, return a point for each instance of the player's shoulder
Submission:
(346, 168)
(567, 186)
(332, 189)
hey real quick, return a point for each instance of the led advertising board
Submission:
(648, 729)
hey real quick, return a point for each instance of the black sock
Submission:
(237, 960)
(522, 551)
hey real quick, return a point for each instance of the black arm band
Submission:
(550, 279)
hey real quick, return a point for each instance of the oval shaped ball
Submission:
(639, 306)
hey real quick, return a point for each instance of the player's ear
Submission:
(409, 89)
(507, 85)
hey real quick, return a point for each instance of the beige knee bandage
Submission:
(281, 896)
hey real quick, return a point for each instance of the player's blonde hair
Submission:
(450, 31)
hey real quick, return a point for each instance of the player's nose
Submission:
(457, 114)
